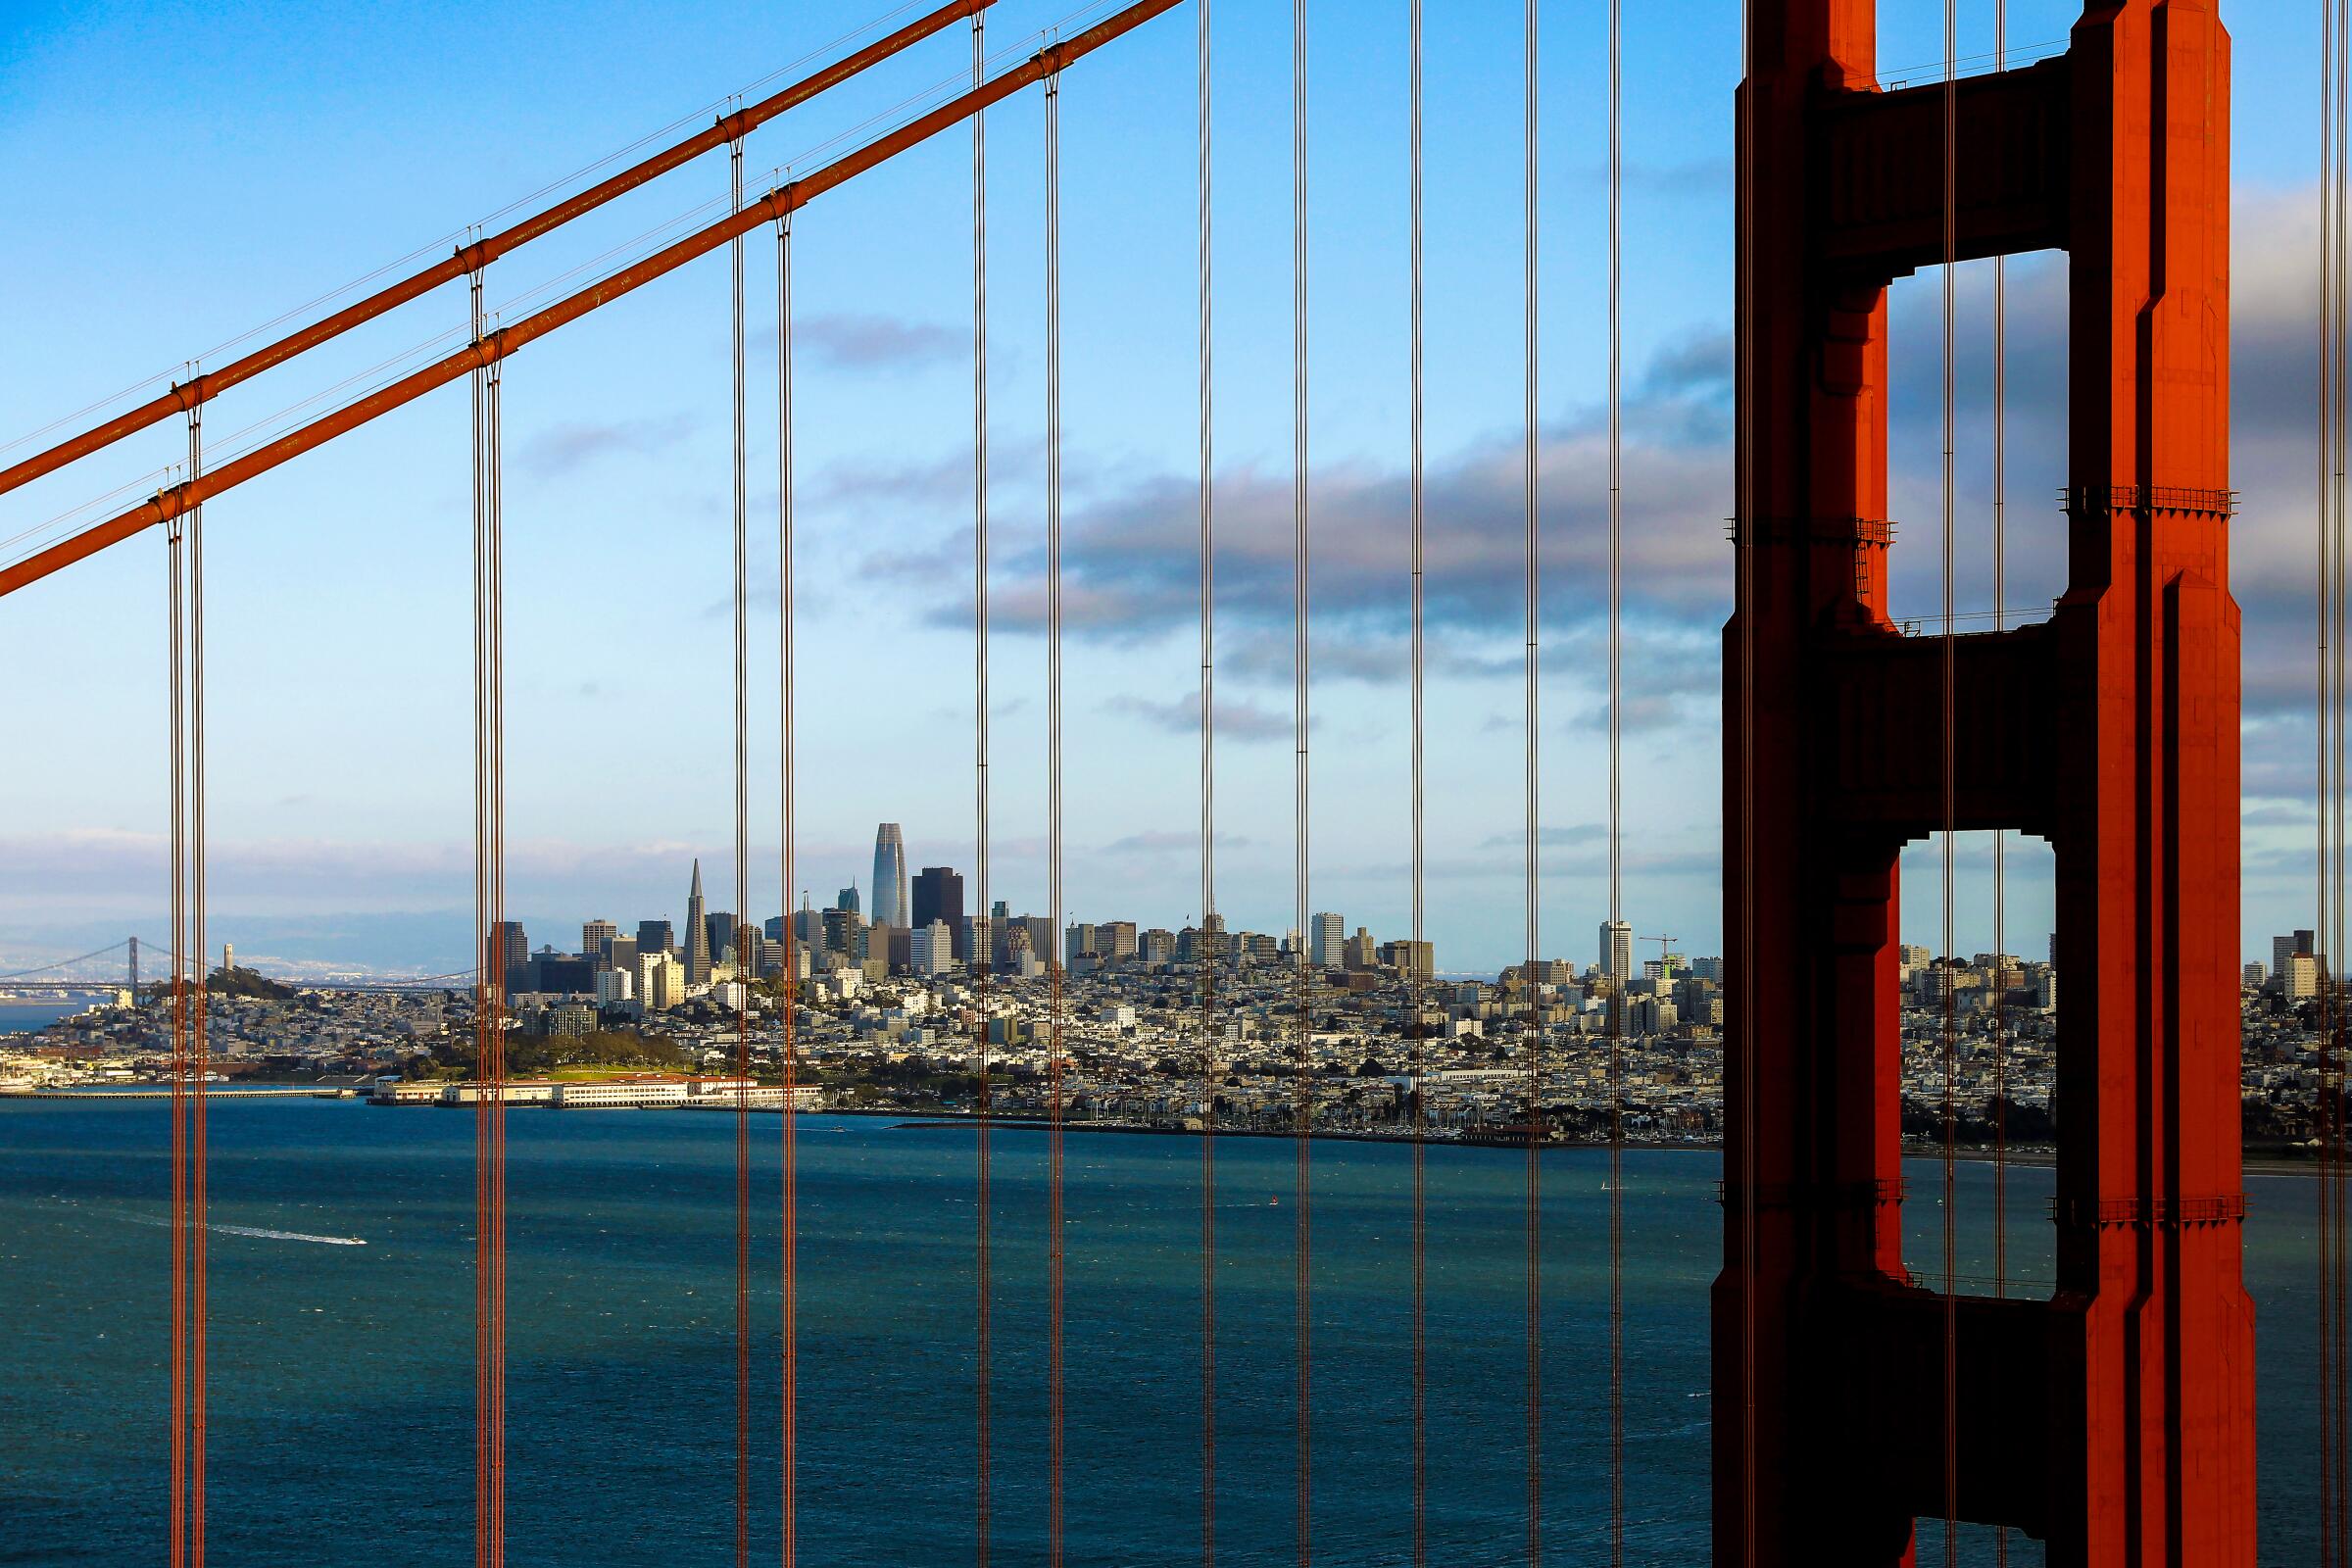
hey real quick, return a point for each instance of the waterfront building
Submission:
(615, 1093)
(890, 876)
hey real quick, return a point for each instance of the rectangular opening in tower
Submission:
(1996, 997)
(2009, 444)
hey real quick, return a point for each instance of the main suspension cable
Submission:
(1208, 955)
(1302, 1091)
(981, 947)
(1420, 965)
(785, 631)
(1057, 957)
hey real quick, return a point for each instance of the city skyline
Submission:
(885, 522)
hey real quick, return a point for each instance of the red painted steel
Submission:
(2115, 1419)
(481, 253)
(497, 345)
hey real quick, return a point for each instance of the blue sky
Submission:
(185, 173)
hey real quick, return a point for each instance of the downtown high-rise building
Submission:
(1617, 950)
(890, 876)
(622, 953)
(1326, 934)
(594, 934)
(938, 896)
(2284, 950)
(510, 955)
(654, 936)
(698, 935)
(718, 933)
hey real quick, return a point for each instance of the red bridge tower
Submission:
(2114, 1419)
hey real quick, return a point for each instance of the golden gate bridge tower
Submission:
(2115, 1418)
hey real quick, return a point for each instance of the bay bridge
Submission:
(1864, 1406)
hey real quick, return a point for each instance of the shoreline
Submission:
(2264, 1162)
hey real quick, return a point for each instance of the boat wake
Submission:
(288, 1236)
(258, 1232)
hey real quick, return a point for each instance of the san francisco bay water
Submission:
(341, 1414)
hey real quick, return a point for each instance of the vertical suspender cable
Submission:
(494, 481)
(2329, 1551)
(191, 1056)
(200, 1027)
(1533, 912)
(2324, 839)
(1951, 1051)
(1058, 959)
(1741, 1038)
(491, 986)
(2329, 1110)
(1616, 396)
(485, 960)
(2340, 368)
(982, 960)
(1208, 824)
(791, 1241)
(2000, 836)
(1302, 1091)
(175, 660)
(1420, 965)
(746, 963)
